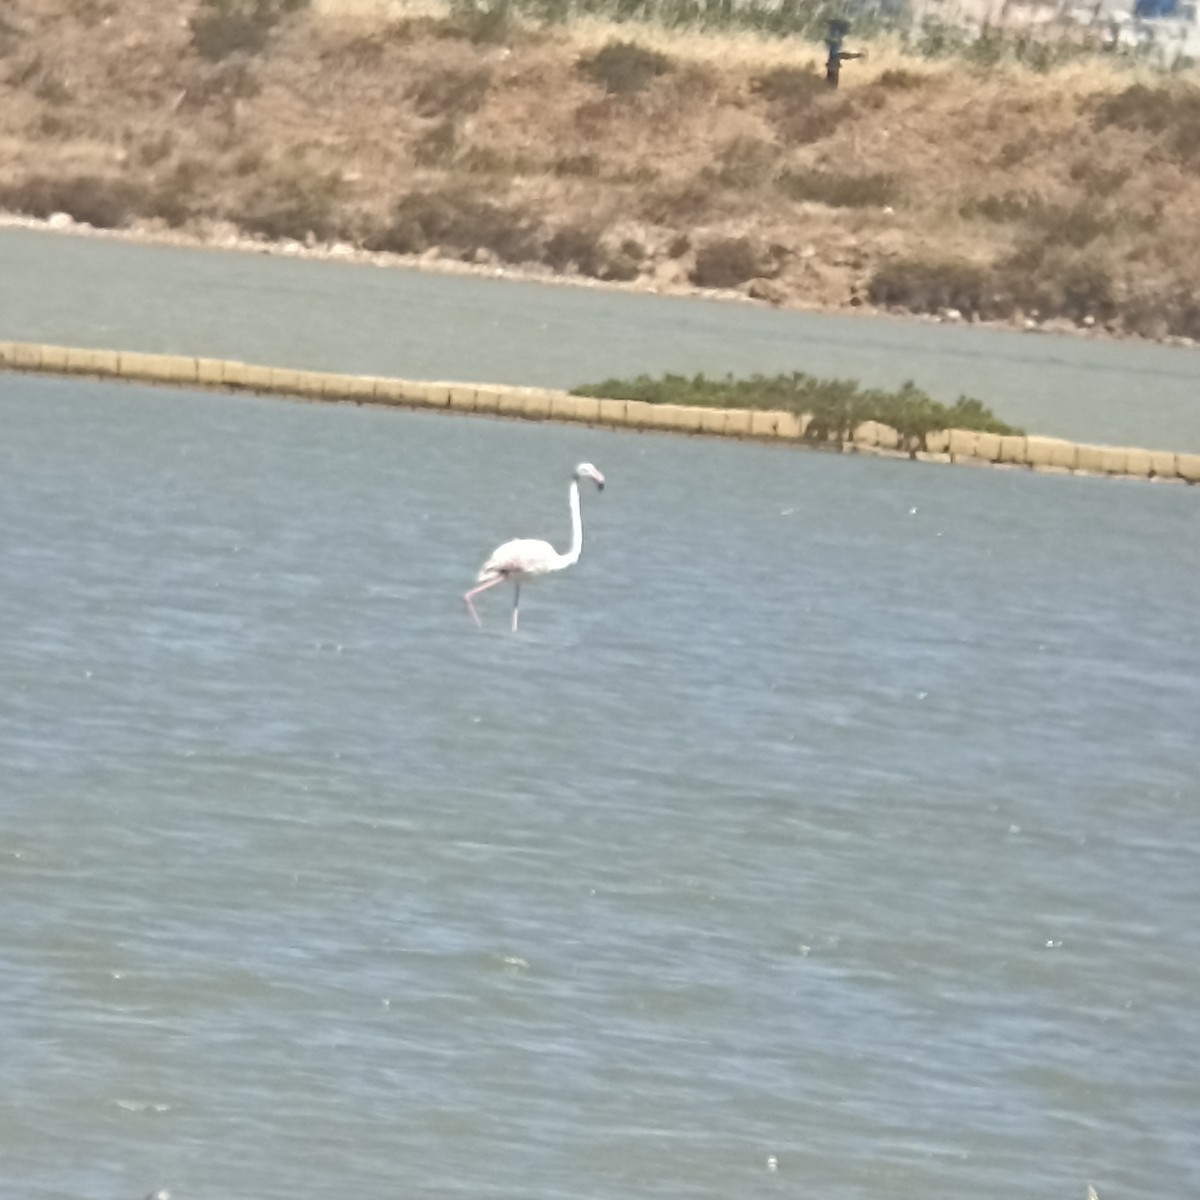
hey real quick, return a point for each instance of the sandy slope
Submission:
(1001, 193)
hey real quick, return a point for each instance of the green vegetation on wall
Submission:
(837, 406)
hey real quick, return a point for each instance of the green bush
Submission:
(836, 406)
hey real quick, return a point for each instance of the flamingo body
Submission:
(524, 557)
(528, 558)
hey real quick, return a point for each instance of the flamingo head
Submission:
(587, 471)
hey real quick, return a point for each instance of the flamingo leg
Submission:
(483, 587)
(516, 604)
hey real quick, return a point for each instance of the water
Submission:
(834, 811)
(334, 316)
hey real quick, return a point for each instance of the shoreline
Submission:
(950, 446)
(226, 237)
(591, 152)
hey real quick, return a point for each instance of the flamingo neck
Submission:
(572, 556)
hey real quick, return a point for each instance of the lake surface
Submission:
(342, 317)
(831, 830)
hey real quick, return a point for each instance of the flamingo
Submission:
(527, 558)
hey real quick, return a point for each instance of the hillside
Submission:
(616, 152)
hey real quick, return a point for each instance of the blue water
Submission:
(835, 816)
(337, 316)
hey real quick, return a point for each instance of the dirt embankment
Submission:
(612, 153)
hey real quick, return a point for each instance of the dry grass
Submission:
(687, 157)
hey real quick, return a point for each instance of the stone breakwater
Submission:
(538, 404)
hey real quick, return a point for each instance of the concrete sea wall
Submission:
(538, 404)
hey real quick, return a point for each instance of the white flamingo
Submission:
(527, 558)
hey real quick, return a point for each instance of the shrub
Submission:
(484, 160)
(153, 149)
(1017, 151)
(1075, 226)
(460, 223)
(922, 285)
(294, 204)
(936, 39)
(1053, 280)
(1173, 309)
(575, 245)
(225, 82)
(623, 68)
(680, 245)
(744, 163)
(802, 126)
(225, 27)
(1062, 282)
(451, 92)
(436, 146)
(1098, 179)
(1170, 109)
(483, 22)
(1049, 226)
(1001, 207)
(52, 89)
(687, 202)
(838, 190)
(899, 79)
(621, 267)
(725, 263)
(836, 406)
(95, 200)
(789, 85)
(585, 166)
(10, 36)
(1138, 106)
(173, 197)
(986, 50)
(802, 107)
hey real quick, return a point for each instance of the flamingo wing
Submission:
(521, 556)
